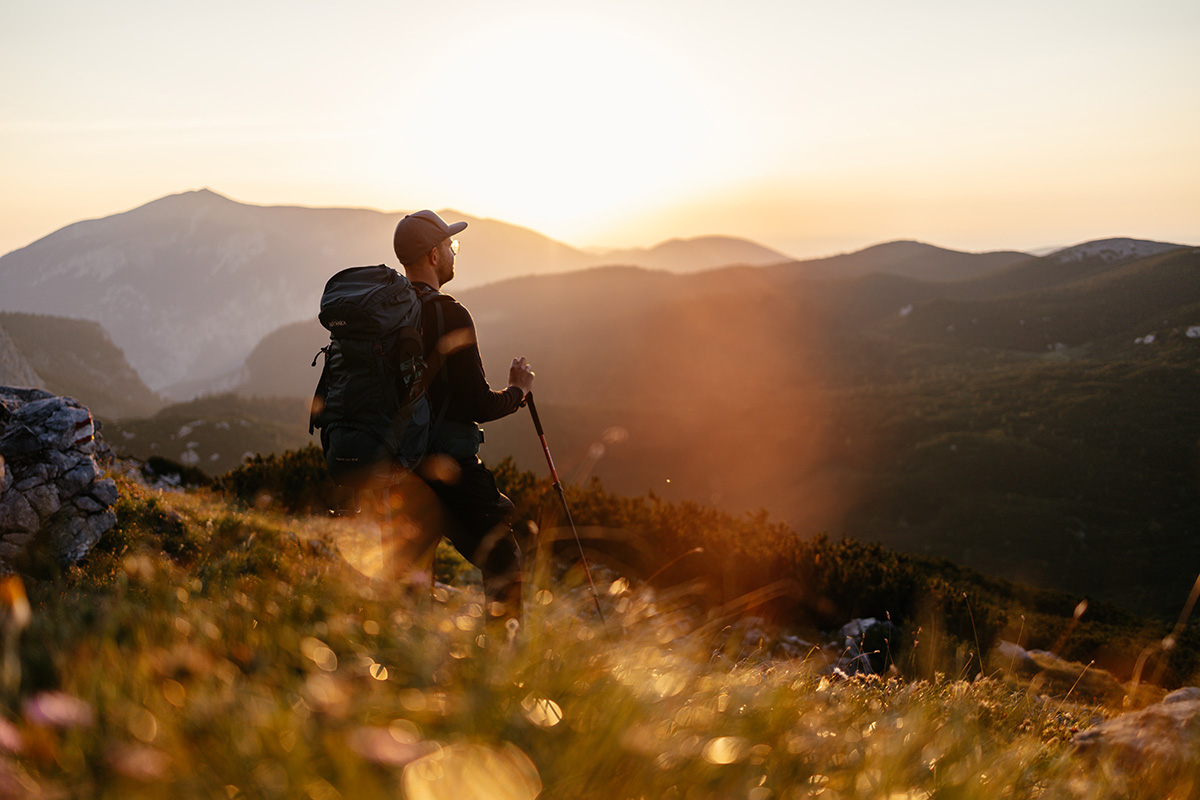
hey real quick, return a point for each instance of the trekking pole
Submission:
(562, 495)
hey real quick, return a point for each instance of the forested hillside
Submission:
(77, 358)
(1046, 434)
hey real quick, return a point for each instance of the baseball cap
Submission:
(420, 232)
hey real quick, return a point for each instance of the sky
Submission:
(811, 127)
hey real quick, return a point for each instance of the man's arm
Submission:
(469, 398)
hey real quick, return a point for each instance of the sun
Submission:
(558, 122)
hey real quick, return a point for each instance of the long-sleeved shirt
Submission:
(458, 388)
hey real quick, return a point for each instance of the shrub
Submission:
(296, 481)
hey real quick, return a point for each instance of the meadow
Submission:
(217, 646)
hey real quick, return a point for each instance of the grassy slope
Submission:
(204, 651)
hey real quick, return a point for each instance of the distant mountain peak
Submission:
(1117, 249)
(693, 254)
(898, 245)
(193, 196)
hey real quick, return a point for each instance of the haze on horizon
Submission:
(807, 127)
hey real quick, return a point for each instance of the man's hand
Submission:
(520, 374)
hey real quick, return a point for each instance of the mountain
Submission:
(189, 283)
(281, 364)
(692, 255)
(77, 358)
(1061, 267)
(878, 406)
(1117, 250)
(594, 324)
(1113, 303)
(185, 284)
(905, 259)
(15, 369)
(1031, 417)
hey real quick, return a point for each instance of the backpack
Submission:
(370, 402)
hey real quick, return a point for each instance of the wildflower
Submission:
(58, 710)
(10, 737)
(384, 746)
(139, 762)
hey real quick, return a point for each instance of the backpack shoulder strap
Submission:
(318, 401)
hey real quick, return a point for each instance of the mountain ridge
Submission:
(880, 407)
(188, 283)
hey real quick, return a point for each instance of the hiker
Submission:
(475, 514)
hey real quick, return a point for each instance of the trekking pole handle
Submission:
(537, 422)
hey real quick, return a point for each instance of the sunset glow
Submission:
(807, 127)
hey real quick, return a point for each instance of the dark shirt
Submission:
(457, 383)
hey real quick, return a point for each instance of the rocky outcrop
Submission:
(1157, 748)
(51, 489)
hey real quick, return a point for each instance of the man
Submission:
(476, 513)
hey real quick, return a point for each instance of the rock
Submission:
(1058, 677)
(105, 492)
(852, 660)
(857, 628)
(51, 493)
(755, 637)
(1149, 749)
(16, 513)
(865, 646)
(1010, 657)
(85, 503)
(63, 461)
(35, 474)
(77, 479)
(1188, 694)
(44, 500)
(791, 646)
(85, 536)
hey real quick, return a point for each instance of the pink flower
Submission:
(383, 747)
(58, 710)
(10, 737)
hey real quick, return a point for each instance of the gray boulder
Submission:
(52, 493)
(1147, 750)
(865, 646)
(1010, 657)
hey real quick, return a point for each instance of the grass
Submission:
(208, 651)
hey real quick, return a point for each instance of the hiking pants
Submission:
(479, 526)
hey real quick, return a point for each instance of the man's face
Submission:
(445, 265)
